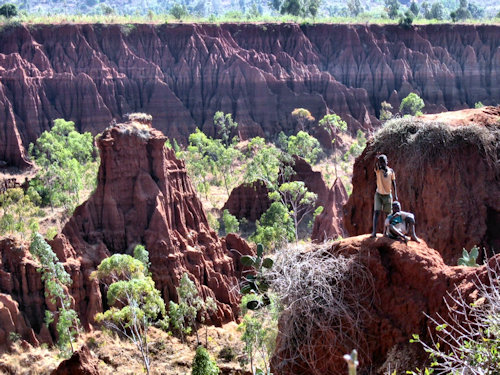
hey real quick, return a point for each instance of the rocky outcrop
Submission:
(144, 196)
(329, 224)
(183, 73)
(82, 362)
(447, 175)
(248, 201)
(22, 299)
(405, 281)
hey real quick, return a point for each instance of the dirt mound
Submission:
(82, 362)
(406, 281)
(446, 175)
(252, 200)
(486, 116)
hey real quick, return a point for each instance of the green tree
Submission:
(437, 11)
(275, 227)
(414, 8)
(425, 10)
(385, 111)
(18, 213)
(354, 7)
(56, 281)
(225, 125)
(67, 164)
(8, 10)
(266, 163)
(462, 13)
(406, 19)
(135, 302)
(303, 118)
(312, 7)
(305, 146)
(260, 310)
(412, 105)
(298, 199)
(183, 315)
(392, 8)
(203, 364)
(292, 7)
(231, 224)
(334, 125)
(207, 157)
(178, 11)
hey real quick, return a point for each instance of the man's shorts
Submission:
(383, 202)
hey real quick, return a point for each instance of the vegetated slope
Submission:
(447, 175)
(143, 196)
(380, 296)
(183, 73)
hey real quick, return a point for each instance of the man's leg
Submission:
(397, 234)
(376, 215)
(411, 230)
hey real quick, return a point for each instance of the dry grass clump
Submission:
(324, 298)
(116, 355)
(36, 360)
(141, 130)
(424, 141)
(142, 118)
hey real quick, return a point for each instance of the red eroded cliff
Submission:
(329, 224)
(447, 175)
(400, 283)
(143, 196)
(183, 73)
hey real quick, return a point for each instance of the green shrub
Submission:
(275, 227)
(8, 10)
(203, 364)
(227, 353)
(469, 259)
(231, 224)
(412, 105)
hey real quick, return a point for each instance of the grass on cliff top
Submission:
(427, 141)
(230, 17)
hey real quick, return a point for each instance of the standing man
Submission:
(386, 181)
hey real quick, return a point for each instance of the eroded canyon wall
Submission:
(183, 73)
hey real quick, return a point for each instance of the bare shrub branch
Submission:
(468, 339)
(324, 298)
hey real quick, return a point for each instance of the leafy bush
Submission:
(203, 364)
(8, 10)
(56, 280)
(19, 214)
(231, 224)
(135, 302)
(67, 164)
(275, 227)
(412, 105)
(469, 259)
(183, 315)
(305, 146)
